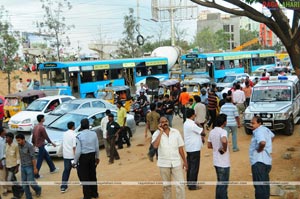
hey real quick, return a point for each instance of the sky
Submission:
(93, 19)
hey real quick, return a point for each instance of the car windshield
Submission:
(64, 108)
(37, 105)
(61, 123)
(271, 93)
(228, 79)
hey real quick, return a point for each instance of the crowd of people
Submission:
(204, 114)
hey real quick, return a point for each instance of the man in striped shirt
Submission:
(233, 121)
(212, 106)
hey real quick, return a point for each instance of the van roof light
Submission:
(265, 78)
(282, 78)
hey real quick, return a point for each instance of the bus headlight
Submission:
(248, 116)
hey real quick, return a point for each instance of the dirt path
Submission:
(134, 166)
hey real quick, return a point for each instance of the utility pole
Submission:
(176, 10)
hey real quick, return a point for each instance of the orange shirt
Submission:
(184, 98)
(247, 91)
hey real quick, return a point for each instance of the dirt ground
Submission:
(134, 166)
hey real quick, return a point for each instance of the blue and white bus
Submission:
(84, 78)
(217, 65)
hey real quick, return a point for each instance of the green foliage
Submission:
(128, 45)
(222, 39)
(247, 35)
(54, 24)
(205, 40)
(8, 47)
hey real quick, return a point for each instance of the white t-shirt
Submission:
(168, 148)
(69, 141)
(214, 137)
(103, 126)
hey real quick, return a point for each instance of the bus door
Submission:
(246, 65)
(128, 77)
(74, 83)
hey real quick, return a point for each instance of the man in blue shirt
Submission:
(260, 151)
(87, 155)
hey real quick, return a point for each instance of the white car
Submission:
(25, 120)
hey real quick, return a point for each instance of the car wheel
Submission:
(289, 130)
(248, 131)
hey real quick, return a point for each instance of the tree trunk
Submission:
(8, 82)
(294, 53)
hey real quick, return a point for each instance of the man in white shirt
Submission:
(200, 112)
(103, 126)
(169, 143)
(69, 145)
(238, 98)
(193, 141)
(20, 85)
(217, 141)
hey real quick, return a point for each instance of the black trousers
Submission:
(213, 117)
(193, 161)
(87, 175)
(123, 135)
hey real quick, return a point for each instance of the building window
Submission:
(226, 28)
(232, 28)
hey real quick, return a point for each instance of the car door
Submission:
(95, 122)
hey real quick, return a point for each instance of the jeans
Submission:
(233, 130)
(260, 173)
(41, 155)
(123, 135)
(152, 151)
(170, 119)
(193, 160)
(11, 177)
(223, 177)
(27, 176)
(66, 173)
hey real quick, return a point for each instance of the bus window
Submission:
(100, 75)
(114, 73)
(86, 76)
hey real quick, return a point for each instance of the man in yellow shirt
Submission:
(121, 120)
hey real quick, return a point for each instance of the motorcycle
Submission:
(139, 115)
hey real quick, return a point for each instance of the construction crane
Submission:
(244, 45)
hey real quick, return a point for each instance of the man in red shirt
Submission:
(184, 98)
(39, 136)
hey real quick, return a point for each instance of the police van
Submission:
(276, 100)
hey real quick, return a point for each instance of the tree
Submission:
(276, 20)
(221, 39)
(128, 45)
(247, 35)
(54, 24)
(8, 46)
(205, 40)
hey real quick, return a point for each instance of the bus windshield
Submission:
(54, 77)
(194, 65)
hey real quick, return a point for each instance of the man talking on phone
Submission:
(170, 145)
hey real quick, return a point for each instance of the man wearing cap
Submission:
(113, 129)
(121, 119)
